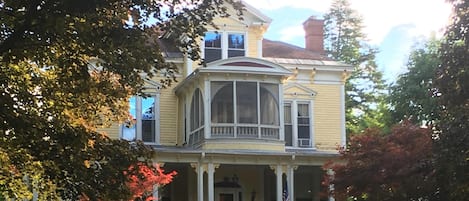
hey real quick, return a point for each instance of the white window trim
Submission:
(294, 122)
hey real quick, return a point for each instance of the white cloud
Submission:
(317, 5)
(289, 33)
(379, 15)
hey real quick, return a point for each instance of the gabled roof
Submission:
(303, 90)
(257, 13)
(277, 49)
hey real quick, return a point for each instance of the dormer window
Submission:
(222, 45)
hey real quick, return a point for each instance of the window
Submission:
(297, 124)
(248, 109)
(197, 118)
(222, 102)
(213, 46)
(143, 124)
(288, 124)
(222, 45)
(235, 45)
(304, 135)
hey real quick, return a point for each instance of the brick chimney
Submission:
(314, 34)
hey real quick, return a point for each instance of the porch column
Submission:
(279, 174)
(210, 172)
(200, 182)
(291, 182)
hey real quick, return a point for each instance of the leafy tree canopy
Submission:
(345, 41)
(386, 167)
(412, 96)
(452, 84)
(68, 67)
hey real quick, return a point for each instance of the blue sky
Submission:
(392, 26)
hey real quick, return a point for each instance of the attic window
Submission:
(222, 45)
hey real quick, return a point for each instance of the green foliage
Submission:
(412, 97)
(345, 41)
(385, 167)
(68, 67)
(452, 145)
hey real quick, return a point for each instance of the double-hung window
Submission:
(222, 45)
(143, 123)
(298, 124)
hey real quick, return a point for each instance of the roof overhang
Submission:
(237, 65)
(293, 157)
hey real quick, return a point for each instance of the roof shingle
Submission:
(277, 49)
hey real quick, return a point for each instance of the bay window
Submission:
(245, 109)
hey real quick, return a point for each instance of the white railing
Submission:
(253, 131)
(270, 132)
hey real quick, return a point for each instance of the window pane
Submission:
(304, 135)
(212, 40)
(288, 135)
(235, 53)
(303, 110)
(236, 41)
(222, 102)
(212, 55)
(246, 99)
(201, 109)
(196, 110)
(287, 113)
(269, 104)
(288, 125)
(303, 131)
(148, 119)
(212, 51)
(129, 131)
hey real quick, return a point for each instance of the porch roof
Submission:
(249, 157)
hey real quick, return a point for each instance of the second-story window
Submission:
(143, 122)
(235, 45)
(297, 124)
(222, 45)
(213, 46)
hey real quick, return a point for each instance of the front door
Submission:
(227, 195)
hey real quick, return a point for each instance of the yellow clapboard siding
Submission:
(168, 116)
(326, 110)
(327, 113)
(112, 132)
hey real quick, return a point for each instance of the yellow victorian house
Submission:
(256, 122)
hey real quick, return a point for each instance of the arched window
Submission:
(197, 110)
(222, 102)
